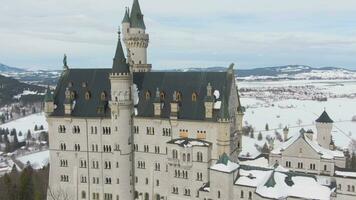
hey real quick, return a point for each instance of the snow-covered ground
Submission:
(37, 160)
(297, 114)
(27, 123)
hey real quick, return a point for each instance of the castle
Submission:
(126, 133)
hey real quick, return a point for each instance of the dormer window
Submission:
(84, 84)
(194, 97)
(178, 96)
(147, 95)
(70, 84)
(87, 95)
(103, 96)
(162, 96)
(72, 95)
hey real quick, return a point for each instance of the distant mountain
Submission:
(285, 72)
(8, 69)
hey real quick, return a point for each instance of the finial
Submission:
(65, 65)
(119, 32)
(157, 92)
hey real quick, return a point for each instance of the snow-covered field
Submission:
(297, 114)
(27, 123)
(37, 160)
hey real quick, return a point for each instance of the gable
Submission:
(300, 145)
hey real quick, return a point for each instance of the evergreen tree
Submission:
(259, 137)
(265, 149)
(36, 127)
(15, 143)
(267, 127)
(41, 127)
(9, 188)
(26, 187)
(29, 136)
(252, 135)
(14, 169)
(20, 134)
(6, 137)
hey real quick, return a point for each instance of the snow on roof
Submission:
(252, 177)
(295, 188)
(229, 167)
(224, 164)
(278, 183)
(325, 153)
(249, 149)
(345, 174)
(259, 162)
(37, 160)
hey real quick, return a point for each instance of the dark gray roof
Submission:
(324, 118)
(136, 17)
(184, 82)
(126, 17)
(119, 63)
(97, 81)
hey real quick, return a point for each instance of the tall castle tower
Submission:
(121, 119)
(324, 125)
(135, 38)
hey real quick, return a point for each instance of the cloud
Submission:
(195, 33)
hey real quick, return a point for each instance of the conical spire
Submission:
(119, 64)
(136, 17)
(126, 17)
(324, 118)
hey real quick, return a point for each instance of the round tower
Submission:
(121, 106)
(135, 38)
(324, 125)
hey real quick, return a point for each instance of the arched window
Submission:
(250, 195)
(87, 95)
(84, 195)
(200, 157)
(72, 95)
(194, 97)
(219, 195)
(179, 96)
(162, 96)
(242, 194)
(147, 95)
(183, 157)
(188, 157)
(103, 96)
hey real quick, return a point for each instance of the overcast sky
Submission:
(183, 33)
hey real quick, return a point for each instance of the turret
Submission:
(209, 102)
(136, 39)
(121, 106)
(48, 102)
(324, 125)
(223, 140)
(126, 23)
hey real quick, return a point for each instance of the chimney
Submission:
(157, 104)
(174, 107)
(310, 134)
(68, 104)
(209, 102)
(285, 133)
